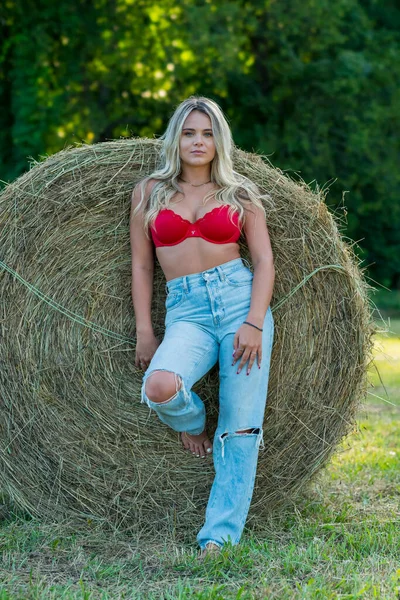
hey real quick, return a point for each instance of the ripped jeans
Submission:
(204, 311)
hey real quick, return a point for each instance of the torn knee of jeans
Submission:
(178, 386)
(251, 431)
(255, 430)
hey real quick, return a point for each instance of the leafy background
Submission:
(312, 85)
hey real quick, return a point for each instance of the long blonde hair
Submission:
(234, 189)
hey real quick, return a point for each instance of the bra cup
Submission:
(220, 229)
(169, 228)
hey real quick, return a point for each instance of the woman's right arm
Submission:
(142, 284)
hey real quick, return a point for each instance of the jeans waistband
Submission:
(194, 279)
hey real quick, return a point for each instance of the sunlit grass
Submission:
(384, 374)
(340, 540)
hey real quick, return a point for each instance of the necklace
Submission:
(194, 184)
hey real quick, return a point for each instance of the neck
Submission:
(196, 175)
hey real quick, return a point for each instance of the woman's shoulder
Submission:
(148, 183)
(248, 197)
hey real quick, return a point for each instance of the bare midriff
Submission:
(194, 254)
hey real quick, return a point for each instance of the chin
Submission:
(204, 158)
(195, 160)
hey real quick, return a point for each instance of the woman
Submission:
(194, 208)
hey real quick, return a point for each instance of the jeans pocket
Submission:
(241, 277)
(174, 299)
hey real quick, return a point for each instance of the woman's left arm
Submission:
(247, 341)
(259, 244)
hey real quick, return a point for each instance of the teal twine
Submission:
(78, 319)
(71, 315)
(299, 285)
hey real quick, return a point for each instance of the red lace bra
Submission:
(215, 226)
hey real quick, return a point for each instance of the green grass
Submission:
(340, 541)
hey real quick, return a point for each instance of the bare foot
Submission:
(210, 550)
(198, 445)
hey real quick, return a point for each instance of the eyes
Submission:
(190, 133)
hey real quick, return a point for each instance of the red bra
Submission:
(215, 226)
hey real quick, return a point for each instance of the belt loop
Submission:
(185, 284)
(221, 273)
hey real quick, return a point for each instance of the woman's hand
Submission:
(146, 345)
(247, 345)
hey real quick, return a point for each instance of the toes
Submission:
(207, 446)
(189, 445)
(185, 441)
(197, 449)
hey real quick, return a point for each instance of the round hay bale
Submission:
(75, 438)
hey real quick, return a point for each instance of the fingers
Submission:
(244, 358)
(246, 354)
(141, 363)
(240, 353)
(251, 361)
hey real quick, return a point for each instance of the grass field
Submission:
(341, 540)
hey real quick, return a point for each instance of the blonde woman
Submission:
(193, 208)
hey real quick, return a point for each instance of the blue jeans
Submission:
(204, 311)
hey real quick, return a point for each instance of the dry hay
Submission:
(75, 439)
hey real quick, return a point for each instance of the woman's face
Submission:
(196, 146)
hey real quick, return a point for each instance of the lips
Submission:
(197, 152)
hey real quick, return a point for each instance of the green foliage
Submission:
(313, 86)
